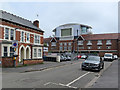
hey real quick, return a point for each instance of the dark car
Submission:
(93, 63)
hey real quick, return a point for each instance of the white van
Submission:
(108, 56)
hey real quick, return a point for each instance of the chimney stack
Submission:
(36, 23)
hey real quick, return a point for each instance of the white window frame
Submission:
(22, 36)
(61, 44)
(8, 49)
(99, 47)
(80, 42)
(99, 42)
(9, 33)
(65, 44)
(69, 47)
(37, 48)
(108, 47)
(39, 53)
(53, 43)
(35, 53)
(89, 42)
(13, 51)
(108, 42)
(5, 33)
(28, 41)
(81, 47)
(89, 47)
(69, 43)
(60, 48)
(36, 39)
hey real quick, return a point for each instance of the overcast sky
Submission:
(102, 16)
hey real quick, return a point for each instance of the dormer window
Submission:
(53, 44)
(108, 42)
(80, 42)
(89, 43)
(99, 42)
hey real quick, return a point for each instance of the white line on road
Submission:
(77, 79)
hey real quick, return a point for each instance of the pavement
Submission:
(109, 78)
(39, 67)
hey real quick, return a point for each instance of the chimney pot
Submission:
(36, 23)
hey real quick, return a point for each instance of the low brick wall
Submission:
(32, 61)
(7, 62)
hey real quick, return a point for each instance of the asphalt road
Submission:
(67, 76)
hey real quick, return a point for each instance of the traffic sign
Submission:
(15, 44)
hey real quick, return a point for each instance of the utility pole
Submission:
(77, 42)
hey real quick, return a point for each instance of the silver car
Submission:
(93, 63)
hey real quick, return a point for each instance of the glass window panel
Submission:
(12, 34)
(66, 32)
(6, 33)
(5, 51)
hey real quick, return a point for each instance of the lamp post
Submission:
(77, 42)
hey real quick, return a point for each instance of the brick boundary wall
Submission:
(7, 61)
(32, 61)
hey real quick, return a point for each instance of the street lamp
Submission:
(77, 42)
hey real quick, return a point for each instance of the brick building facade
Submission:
(85, 43)
(28, 35)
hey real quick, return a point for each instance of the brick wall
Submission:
(7, 62)
(30, 62)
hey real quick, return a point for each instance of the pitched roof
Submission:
(45, 40)
(18, 20)
(100, 36)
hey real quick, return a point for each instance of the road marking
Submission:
(47, 83)
(77, 78)
(59, 84)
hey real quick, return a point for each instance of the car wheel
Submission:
(103, 66)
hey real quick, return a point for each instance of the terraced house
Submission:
(79, 38)
(27, 33)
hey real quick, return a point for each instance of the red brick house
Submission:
(28, 35)
(83, 43)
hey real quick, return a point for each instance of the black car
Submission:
(93, 63)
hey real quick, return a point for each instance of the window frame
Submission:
(5, 52)
(27, 36)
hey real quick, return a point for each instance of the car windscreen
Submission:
(108, 55)
(93, 58)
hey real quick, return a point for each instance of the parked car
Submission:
(83, 57)
(68, 57)
(115, 57)
(93, 63)
(77, 57)
(108, 56)
(62, 58)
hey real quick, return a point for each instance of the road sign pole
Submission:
(15, 46)
(14, 58)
